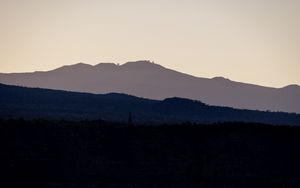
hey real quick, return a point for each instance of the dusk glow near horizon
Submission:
(252, 41)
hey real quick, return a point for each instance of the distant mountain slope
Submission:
(149, 80)
(30, 103)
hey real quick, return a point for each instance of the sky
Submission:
(252, 41)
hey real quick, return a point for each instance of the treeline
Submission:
(29, 103)
(43, 153)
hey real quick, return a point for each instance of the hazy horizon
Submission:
(247, 41)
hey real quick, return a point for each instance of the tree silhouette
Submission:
(130, 122)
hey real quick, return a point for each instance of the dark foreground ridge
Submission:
(59, 154)
(29, 103)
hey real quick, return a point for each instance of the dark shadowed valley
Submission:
(86, 154)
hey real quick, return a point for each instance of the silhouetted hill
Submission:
(150, 80)
(31, 103)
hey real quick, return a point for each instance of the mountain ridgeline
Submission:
(149, 80)
(32, 103)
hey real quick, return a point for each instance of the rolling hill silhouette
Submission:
(150, 80)
(32, 103)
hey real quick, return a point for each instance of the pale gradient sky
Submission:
(253, 41)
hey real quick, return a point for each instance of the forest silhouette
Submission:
(44, 153)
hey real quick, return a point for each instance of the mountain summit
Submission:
(149, 80)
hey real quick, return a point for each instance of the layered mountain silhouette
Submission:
(150, 80)
(31, 103)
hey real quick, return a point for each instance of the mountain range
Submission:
(149, 80)
(34, 103)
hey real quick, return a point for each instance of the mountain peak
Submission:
(142, 64)
(106, 66)
(77, 66)
(220, 78)
(292, 86)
